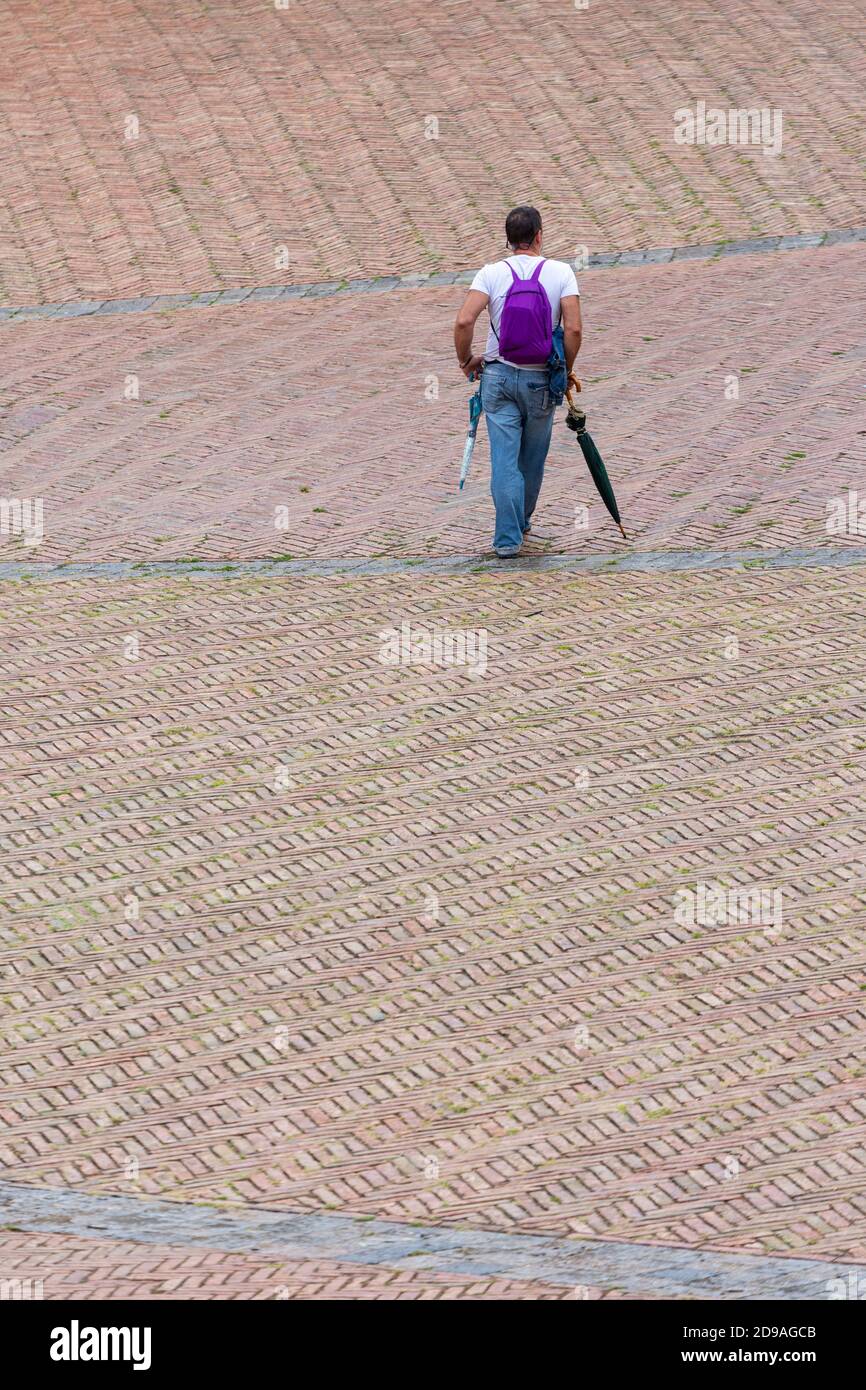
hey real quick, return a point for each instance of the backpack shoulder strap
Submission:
(536, 272)
(515, 280)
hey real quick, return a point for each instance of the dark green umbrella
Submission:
(576, 420)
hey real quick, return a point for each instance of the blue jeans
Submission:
(519, 414)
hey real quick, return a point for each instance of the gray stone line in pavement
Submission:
(659, 255)
(634, 562)
(668, 1271)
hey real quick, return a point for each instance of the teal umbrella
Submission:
(576, 420)
(474, 417)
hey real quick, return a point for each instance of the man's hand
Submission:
(474, 367)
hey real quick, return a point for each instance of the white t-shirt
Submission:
(495, 280)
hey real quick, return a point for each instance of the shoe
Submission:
(507, 554)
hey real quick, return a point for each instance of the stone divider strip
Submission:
(640, 562)
(206, 299)
(665, 1271)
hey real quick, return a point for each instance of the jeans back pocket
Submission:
(539, 400)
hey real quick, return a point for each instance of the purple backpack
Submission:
(526, 324)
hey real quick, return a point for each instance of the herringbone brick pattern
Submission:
(164, 145)
(286, 925)
(243, 411)
(73, 1268)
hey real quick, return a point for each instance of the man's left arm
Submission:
(464, 328)
(572, 328)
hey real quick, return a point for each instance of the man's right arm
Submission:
(464, 328)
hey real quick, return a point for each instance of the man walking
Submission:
(527, 298)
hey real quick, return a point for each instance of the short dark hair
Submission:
(522, 226)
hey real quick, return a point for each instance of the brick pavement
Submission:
(290, 927)
(287, 927)
(259, 129)
(244, 410)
